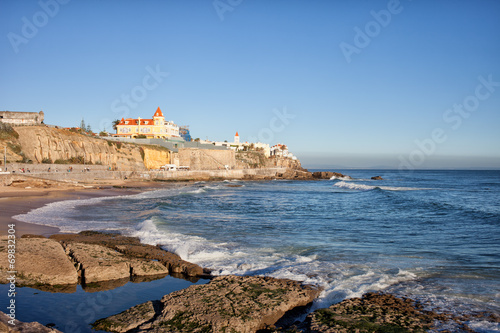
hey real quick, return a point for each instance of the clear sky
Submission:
(409, 84)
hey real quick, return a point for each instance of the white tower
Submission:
(236, 139)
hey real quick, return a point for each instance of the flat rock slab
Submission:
(226, 304)
(98, 263)
(171, 260)
(129, 319)
(38, 261)
(373, 313)
(132, 247)
(33, 327)
(140, 267)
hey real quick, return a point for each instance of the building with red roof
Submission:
(154, 128)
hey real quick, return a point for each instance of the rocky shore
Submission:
(226, 304)
(19, 326)
(89, 258)
(100, 261)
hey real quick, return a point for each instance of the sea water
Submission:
(433, 236)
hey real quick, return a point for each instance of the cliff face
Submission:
(256, 159)
(154, 157)
(40, 143)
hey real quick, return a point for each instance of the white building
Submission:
(239, 146)
(282, 151)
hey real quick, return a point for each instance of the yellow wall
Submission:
(155, 158)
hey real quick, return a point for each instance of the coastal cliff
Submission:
(257, 159)
(42, 144)
(52, 145)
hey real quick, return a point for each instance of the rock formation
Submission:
(42, 143)
(33, 327)
(377, 178)
(329, 175)
(226, 304)
(373, 312)
(294, 175)
(132, 247)
(99, 263)
(155, 157)
(38, 261)
(92, 256)
(257, 159)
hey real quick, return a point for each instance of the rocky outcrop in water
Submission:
(18, 326)
(99, 263)
(37, 261)
(373, 312)
(131, 247)
(377, 178)
(329, 175)
(292, 174)
(110, 260)
(226, 304)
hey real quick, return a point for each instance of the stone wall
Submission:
(202, 159)
(212, 174)
(21, 118)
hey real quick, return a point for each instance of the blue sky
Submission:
(342, 83)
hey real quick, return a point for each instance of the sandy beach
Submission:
(15, 201)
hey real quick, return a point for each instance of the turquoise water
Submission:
(431, 235)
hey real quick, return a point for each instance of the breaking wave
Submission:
(363, 187)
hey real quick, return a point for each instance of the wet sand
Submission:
(15, 201)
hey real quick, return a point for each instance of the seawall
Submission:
(211, 174)
(98, 173)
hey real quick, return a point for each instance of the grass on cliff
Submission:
(7, 132)
(255, 159)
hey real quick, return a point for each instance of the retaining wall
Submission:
(210, 174)
(96, 175)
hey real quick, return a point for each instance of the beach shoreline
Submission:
(16, 201)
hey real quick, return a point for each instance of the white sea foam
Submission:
(339, 281)
(62, 214)
(363, 187)
(341, 178)
(352, 186)
(483, 326)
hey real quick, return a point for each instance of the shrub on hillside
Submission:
(7, 132)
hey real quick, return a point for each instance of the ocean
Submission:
(433, 236)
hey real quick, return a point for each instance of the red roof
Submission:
(236, 134)
(158, 113)
(130, 121)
